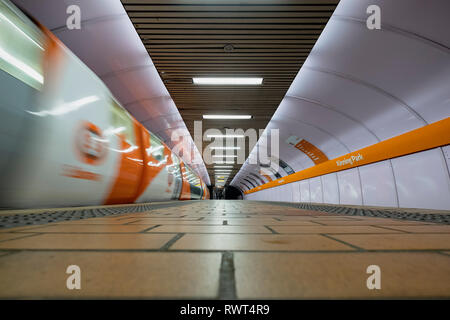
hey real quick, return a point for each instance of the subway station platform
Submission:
(224, 250)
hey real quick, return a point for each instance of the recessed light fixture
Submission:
(227, 116)
(223, 166)
(224, 156)
(227, 81)
(224, 162)
(225, 148)
(225, 136)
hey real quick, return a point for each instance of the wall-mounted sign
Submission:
(314, 153)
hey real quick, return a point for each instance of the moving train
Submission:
(65, 140)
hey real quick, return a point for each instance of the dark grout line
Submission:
(21, 237)
(447, 254)
(392, 229)
(171, 242)
(271, 230)
(200, 251)
(343, 242)
(319, 223)
(150, 228)
(9, 253)
(125, 224)
(227, 280)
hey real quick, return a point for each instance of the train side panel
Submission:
(163, 170)
(65, 141)
(72, 154)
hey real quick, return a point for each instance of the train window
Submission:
(122, 123)
(191, 177)
(21, 47)
(156, 148)
(175, 167)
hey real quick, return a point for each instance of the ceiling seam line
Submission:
(92, 21)
(393, 29)
(334, 109)
(126, 70)
(371, 86)
(324, 131)
(147, 99)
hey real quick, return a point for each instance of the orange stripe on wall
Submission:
(430, 136)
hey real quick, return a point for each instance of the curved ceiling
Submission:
(241, 38)
(360, 86)
(109, 44)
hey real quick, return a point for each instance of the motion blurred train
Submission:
(64, 139)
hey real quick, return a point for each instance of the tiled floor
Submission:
(226, 249)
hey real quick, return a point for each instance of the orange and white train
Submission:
(65, 140)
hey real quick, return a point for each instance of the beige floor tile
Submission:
(111, 275)
(8, 236)
(337, 218)
(365, 222)
(398, 241)
(173, 222)
(331, 229)
(85, 228)
(16, 229)
(340, 275)
(251, 221)
(95, 221)
(89, 241)
(423, 228)
(210, 229)
(150, 219)
(257, 242)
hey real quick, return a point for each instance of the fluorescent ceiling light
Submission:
(225, 162)
(225, 136)
(22, 66)
(228, 81)
(225, 148)
(224, 156)
(223, 166)
(225, 116)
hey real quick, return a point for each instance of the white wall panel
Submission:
(349, 187)
(315, 188)
(446, 152)
(422, 180)
(295, 191)
(330, 188)
(304, 190)
(378, 185)
(387, 98)
(287, 191)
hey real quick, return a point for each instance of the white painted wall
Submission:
(419, 180)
